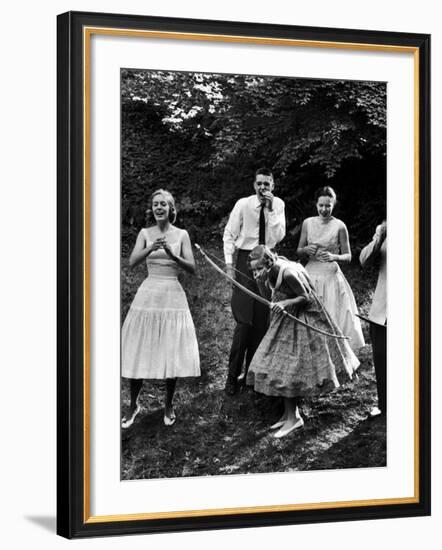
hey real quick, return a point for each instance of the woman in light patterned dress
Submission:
(158, 336)
(293, 360)
(324, 241)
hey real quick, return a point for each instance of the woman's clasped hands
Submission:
(157, 243)
(325, 256)
(161, 242)
(319, 253)
(310, 249)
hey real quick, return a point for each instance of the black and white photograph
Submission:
(253, 274)
(195, 283)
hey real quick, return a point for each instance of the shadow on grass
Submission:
(211, 431)
(217, 435)
(364, 447)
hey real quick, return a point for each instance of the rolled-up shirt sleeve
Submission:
(276, 222)
(232, 231)
(369, 253)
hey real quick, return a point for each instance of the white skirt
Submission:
(158, 336)
(337, 297)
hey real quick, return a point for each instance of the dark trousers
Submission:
(378, 336)
(246, 339)
(252, 319)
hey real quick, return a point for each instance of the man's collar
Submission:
(257, 202)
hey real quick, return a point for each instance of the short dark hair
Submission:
(325, 191)
(263, 171)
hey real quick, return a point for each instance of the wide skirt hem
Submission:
(275, 388)
(161, 378)
(337, 296)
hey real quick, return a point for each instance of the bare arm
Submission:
(301, 296)
(141, 251)
(344, 244)
(186, 259)
(303, 250)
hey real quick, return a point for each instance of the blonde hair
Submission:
(262, 252)
(170, 201)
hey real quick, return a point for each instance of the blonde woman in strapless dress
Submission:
(324, 241)
(158, 337)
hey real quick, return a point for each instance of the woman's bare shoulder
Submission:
(147, 232)
(340, 224)
(179, 231)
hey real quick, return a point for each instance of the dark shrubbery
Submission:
(203, 136)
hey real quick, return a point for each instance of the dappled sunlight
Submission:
(218, 435)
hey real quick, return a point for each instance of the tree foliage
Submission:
(203, 135)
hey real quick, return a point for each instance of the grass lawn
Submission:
(215, 434)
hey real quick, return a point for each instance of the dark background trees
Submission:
(202, 136)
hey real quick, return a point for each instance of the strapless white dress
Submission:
(158, 337)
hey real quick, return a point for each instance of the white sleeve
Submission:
(232, 231)
(276, 221)
(369, 252)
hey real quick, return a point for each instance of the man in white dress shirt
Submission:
(376, 250)
(257, 219)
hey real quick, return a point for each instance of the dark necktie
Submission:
(262, 226)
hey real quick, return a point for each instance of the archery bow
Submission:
(263, 300)
(219, 261)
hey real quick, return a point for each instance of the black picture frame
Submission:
(73, 519)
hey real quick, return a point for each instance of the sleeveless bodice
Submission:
(325, 236)
(295, 269)
(158, 339)
(158, 262)
(329, 282)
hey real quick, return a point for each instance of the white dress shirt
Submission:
(377, 249)
(242, 229)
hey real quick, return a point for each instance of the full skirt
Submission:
(158, 335)
(294, 361)
(337, 296)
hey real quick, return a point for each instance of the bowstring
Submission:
(220, 261)
(285, 312)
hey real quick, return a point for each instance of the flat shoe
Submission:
(127, 423)
(169, 420)
(283, 433)
(375, 411)
(278, 424)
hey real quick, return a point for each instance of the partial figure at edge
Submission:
(376, 251)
